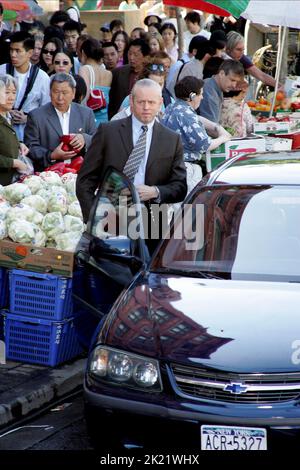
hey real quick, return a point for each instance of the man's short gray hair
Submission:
(146, 83)
(7, 80)
(62, 77)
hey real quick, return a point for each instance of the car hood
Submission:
(239, 326)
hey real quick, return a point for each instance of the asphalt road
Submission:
(61, 428)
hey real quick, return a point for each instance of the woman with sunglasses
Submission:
(155, 72)
(63, 62)
(50, 47)
(92, 71)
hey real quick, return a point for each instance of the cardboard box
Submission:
(233, 148)
(291, 84)
(274, 127)
(275, 144)
(32, 258)
(295, 137)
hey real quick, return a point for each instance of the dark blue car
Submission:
(199, 346)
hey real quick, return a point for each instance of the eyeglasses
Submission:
(155, 67)
(46, 51)
(61, 62)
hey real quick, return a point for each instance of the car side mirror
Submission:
(105, 254)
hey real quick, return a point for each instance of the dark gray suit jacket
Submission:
(43, 130)
(112, 145)
(119, 89)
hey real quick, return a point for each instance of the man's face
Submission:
(105, 36)
(62, 96)
(145, 104)
(71, 40)
(135, 58)
(192, 27)
(110, 57)
(228, 82)
(19, 56)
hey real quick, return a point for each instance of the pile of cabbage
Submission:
(42, 211)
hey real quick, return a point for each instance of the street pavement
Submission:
(25, 388)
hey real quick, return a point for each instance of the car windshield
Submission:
(236, 232)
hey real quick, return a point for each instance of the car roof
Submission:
(259, 168)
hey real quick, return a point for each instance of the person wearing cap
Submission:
(128, 5)
(152, 18)
(105, 33)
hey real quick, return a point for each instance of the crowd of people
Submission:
(58, 79)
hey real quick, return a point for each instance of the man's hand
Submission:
(146, 192)
(23, 149)
(19, 165)
(59, 154)
(77, 142)
(18, 117)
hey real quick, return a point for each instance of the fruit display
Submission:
(283, 103)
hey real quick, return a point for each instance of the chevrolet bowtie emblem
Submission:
(235, 388)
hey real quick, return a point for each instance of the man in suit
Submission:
(161, 175)
(47, 124)
(125, 77)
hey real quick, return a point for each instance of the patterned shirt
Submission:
(237, 116)
(183, 119)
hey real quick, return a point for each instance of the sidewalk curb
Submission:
(37, 392)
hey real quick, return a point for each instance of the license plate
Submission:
(233, 438)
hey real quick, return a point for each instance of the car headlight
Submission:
(125, 368)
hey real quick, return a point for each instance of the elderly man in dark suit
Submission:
(45, 125)
(160, 176)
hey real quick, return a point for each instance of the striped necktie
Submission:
(137, 154)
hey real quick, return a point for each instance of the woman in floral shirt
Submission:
(181, 117)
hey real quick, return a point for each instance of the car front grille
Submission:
(245, 388)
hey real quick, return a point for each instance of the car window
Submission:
(114, 208)
(243, 231)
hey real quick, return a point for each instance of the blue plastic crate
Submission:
(3, 287)
(44, 296)
(41, 342)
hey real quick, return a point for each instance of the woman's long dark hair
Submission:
(59, 48)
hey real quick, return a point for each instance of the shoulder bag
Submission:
(96, 99)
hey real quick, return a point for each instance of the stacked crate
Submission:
(39, 327)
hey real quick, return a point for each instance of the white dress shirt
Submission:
(136, 132)
(64, 119)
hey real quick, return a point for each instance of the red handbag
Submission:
(96, 99)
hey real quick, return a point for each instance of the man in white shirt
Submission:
(33, 84)
(46, 125)
(73, 10)
(193, 24)
(177, 68)
(160, 176)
